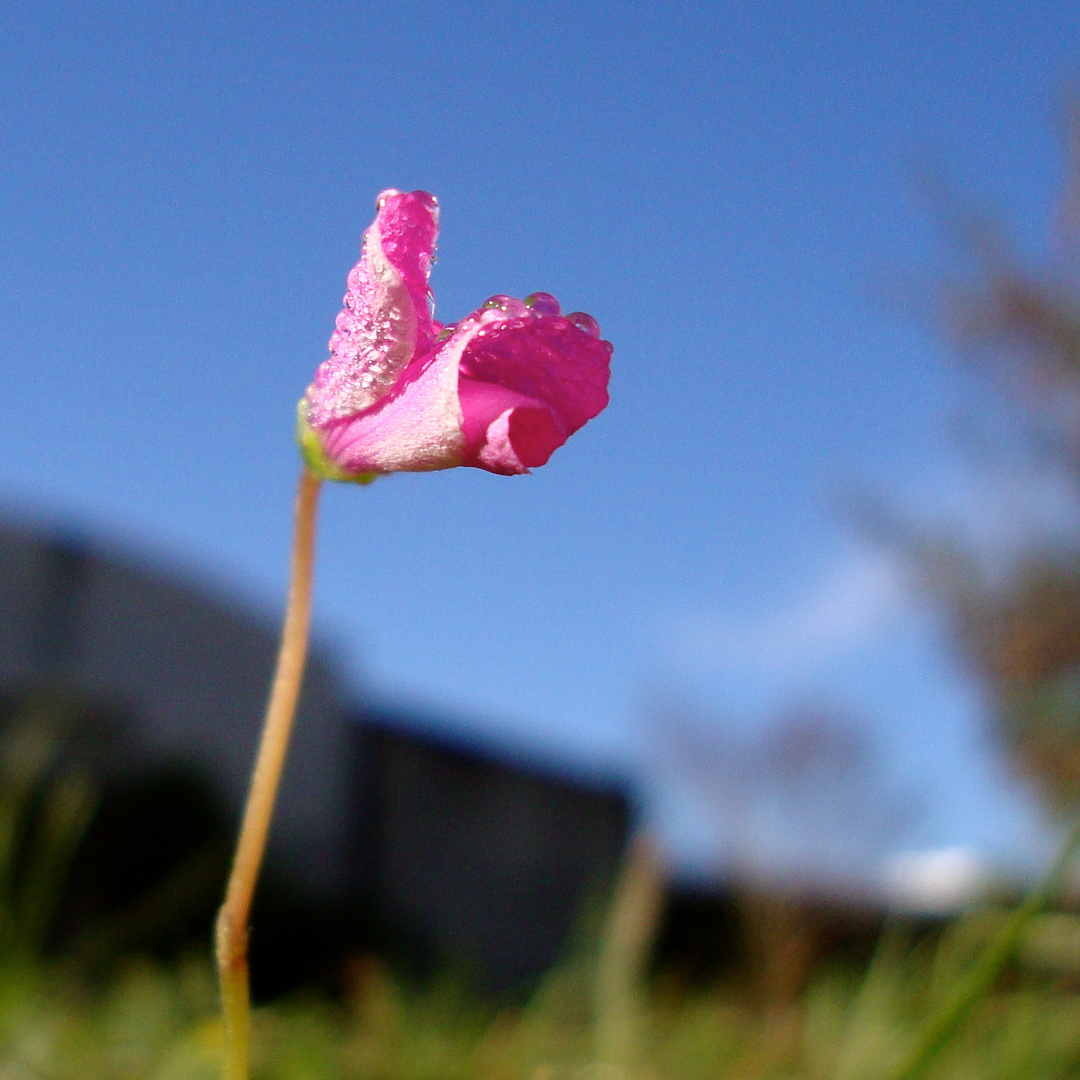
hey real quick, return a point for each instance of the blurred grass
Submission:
(159, 1022)
(599, 1015)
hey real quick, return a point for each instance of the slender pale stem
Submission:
(232, 923)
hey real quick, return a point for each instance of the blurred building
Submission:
(475, 856)
(488, 859)
(182, 674)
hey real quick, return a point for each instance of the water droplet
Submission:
(381, 198)
(446, 332)
(542, 303)
(584, 322)
(499, 301)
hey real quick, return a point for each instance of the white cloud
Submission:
(838, 616)
(936, 882)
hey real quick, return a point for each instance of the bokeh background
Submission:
(736, 191)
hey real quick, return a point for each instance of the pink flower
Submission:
(500, 391)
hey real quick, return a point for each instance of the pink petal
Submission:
(386, 320)
(506, 432)
(543, 356)
(409, 226)
(417, 427)
(502, 392)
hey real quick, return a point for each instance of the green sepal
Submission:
(315, 458)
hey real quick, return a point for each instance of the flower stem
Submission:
(232, 922)
(969, 990)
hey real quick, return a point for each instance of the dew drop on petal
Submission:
(542, 303)
(498, 301)
(514, 308)
(584, 322)
(446, 332)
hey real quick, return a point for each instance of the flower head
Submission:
(500, 390)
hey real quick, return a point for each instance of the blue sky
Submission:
(723, 186)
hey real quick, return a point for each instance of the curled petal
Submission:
(386, 321)
(506, 432)
(543, 357)
(529, 379)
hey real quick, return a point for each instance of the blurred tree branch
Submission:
(1016, 624)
